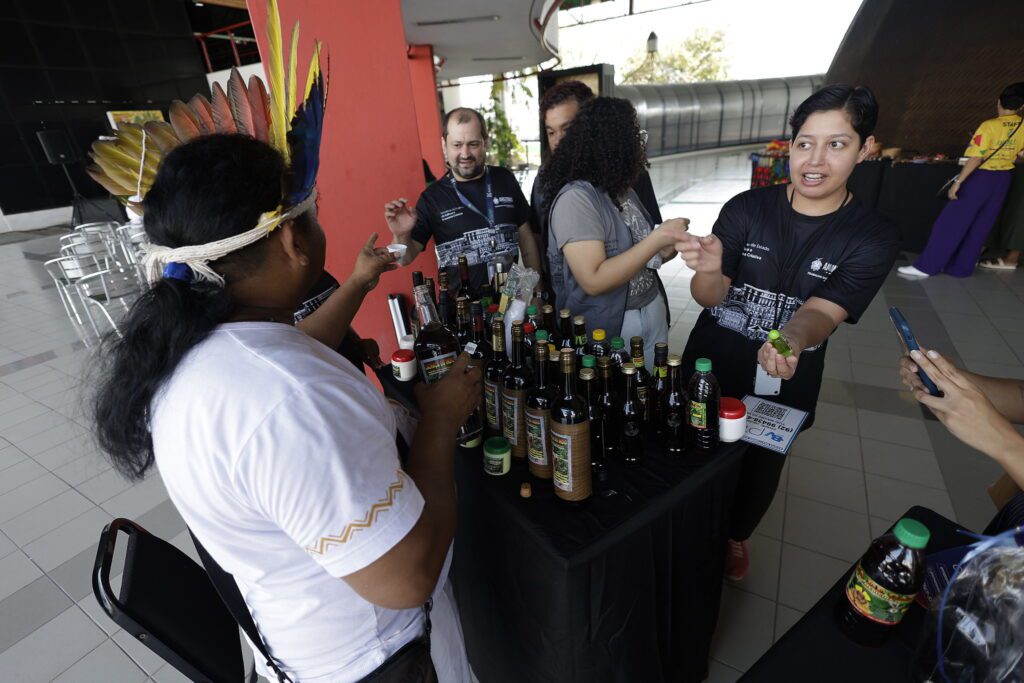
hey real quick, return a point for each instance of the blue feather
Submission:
(304, 140)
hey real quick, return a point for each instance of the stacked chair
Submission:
(98, 275)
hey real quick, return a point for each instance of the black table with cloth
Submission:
(625, 587)
(816, 650)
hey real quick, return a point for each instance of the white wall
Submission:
(246, 71)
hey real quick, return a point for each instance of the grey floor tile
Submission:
(10, 455)
(24, 611)
(826, 483)
(30, 495)
(146, 659)
(168, 674)
(92, 608)
(16, 572)
(835, 418)
(872, 355)
(894, 429)
(763, 577)
(880, 526)
(163, 521)
(105, 486)
(915, 465)
(13, 418)
(745, 627)
(44, 446)
(82, 469)
(25, 429)
(75, 575)
(838, 370)
(896, 402)
(886, 377)
(36, 659)
(61, 544)
(42, 519)
(106, 663)
(890, 498)
(973, 511)
(6, 546)
(834, 448)
(806, 576)
(785, 619)
(137, 500)
(20, 473)
(837, 391)
(836, 532)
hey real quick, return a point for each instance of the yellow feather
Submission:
(314, 69)
(274, 61)
(293, 59)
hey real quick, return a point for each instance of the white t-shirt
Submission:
(281, 458)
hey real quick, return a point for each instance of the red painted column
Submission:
(371, 150)
(428, 112)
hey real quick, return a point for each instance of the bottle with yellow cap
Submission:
(599, 345)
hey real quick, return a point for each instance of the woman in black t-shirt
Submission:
(801, 258)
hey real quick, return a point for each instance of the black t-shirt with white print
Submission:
(458, 230)
(777, 259)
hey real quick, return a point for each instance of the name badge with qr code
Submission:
(772, 425)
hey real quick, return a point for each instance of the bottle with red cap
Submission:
(732, 419)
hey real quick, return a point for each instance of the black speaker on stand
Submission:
(60, 151)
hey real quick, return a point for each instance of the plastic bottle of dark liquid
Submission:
(883, 584)
(704, 393)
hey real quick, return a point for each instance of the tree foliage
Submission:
(700, 58)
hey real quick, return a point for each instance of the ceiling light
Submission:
(463, 20)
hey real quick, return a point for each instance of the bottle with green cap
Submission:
(619, 353)
(533, 316)
(776, 339)
(704, 396)
(884, 584)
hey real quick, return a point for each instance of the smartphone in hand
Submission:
(909, 342)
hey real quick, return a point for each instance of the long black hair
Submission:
(602, 146)
(209, 189)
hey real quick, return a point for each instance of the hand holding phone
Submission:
(909, 342)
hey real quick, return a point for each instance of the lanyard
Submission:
(791, 266)
(488, 192)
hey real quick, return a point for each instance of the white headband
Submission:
(198, 256)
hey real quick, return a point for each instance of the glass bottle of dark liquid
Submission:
(570, 436)
(643, 377)
(529, 339)
(429, 282)
(444, 301)
(704, 394)
(417, 278)
(464, 324)
(590, 390)
(599, 345)
(631, 421)
(620, 357)
(608, 401)
(883, 584)
(490, 311)
(554, 365)
(484, 351)
(656, 388)
(464, 286)
(675, 410)
(580, 342)
(548, 323)
(499, 279)
(565, 338)
(486, 295)
(538, 416)
(517, 383)
(533, 316)
(494, 378)
(436, 349)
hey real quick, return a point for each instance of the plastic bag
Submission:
(978, 625)
(515, 297)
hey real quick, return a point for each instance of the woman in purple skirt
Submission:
(977, 194)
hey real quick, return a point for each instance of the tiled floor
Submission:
(871, 455)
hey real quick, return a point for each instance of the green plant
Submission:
(506, 149)
(699, 58)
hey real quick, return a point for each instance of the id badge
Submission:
(765, 384)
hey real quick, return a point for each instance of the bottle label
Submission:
(638, 361)
(875, 602)
(581, 340)
(435, 368)
(570, 460)
(661, 371)
(510, 417)
(491, 405)
(698, 415)
(537, 436)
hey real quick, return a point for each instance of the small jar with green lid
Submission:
(497, 455)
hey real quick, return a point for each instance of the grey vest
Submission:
(603, 311)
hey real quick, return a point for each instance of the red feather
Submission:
(222, 119)
(183, 121)
(202, 113)
(259, 103)
(238, 98)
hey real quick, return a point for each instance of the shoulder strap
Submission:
(228, 591)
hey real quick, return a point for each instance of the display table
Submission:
(815, 650)
(910, 198)
(625, 587)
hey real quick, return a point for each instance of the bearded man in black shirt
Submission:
(800, 258)
(475, 210)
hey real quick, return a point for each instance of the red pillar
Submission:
(371, 150)
(428, 112)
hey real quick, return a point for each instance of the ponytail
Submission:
(164, 324)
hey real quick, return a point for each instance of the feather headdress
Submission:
(127, 164)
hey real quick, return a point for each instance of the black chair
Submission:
(168, 603)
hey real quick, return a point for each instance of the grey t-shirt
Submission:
(574, 218)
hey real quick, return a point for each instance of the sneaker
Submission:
(911, 271)
(737, 560)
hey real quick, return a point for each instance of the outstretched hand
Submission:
(701, 254)
(371, 262)
(775, 364)
(400, 217)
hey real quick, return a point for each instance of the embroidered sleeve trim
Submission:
(326, 543)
